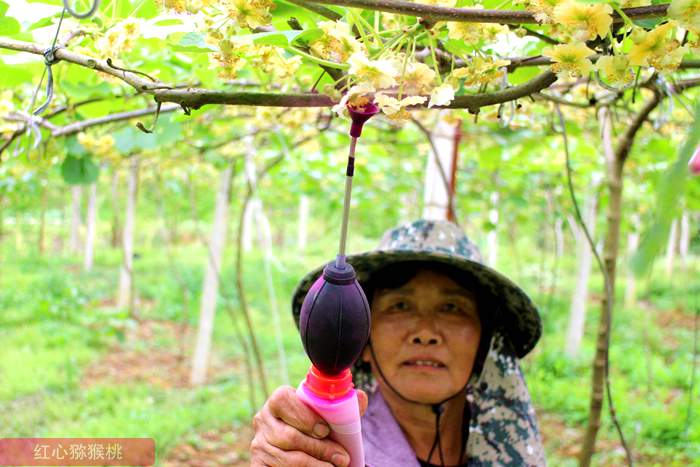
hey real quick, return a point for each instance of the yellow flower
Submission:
(570, 60)
(250, 13)
(102, 147)
(392, 106)
(586, 21)
(657, 48)
(337, 43)
(272, 60)
(419, 78)
(379, 73)
(671, 59)
(481, 71)
(357, 96)
(687, 13)
(441, 95)
(615, 69)
(187, 6)
(6, 105)
(542, 9)
(473, 33)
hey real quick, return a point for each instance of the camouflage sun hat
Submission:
(444, 242)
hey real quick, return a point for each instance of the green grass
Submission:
(56, 321)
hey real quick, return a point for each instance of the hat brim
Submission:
(515, 314)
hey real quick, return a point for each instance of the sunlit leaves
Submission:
(9, 26)
(190, 42)
(668, 195)
(79, 170)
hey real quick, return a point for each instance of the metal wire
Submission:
(87, 14)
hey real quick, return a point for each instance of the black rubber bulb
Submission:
(335, 319)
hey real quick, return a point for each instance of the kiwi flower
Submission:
(336, 43)
(379, 73)
(615, 69)
(657, 48)
(687, 13)
(586, 21)
(570, 60)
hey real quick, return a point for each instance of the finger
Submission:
(362, 400)
(280, 458)
(287, 438)
(288, 407)
(260, 455)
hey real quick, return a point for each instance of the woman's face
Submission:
(425, 336)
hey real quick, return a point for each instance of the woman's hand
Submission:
(288, 433)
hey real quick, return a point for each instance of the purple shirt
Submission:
(383, 440)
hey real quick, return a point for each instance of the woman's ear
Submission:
(365, 354)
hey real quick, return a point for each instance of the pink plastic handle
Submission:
(343, 416)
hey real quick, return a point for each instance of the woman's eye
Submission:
(452, 308)
(400, 306)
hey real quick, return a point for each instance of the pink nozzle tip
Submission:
(359, 116)
(694, 163)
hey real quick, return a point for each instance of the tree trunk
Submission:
(577, 311)
(262, 226)
(239, 272)
(559, 237)
(126, 278)
(492, 236)
(438, 168)
(684, 240)
(91, 226)
(671, 248)
(210, 288)
(303, 223)
(116, 228)
(248, 225)
(615, 164)
(76, 195)
(610, 250)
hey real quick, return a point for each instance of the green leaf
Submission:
(130, 140)
(306, 36)
(74, 148)
(81, 90)
(669, 193)
(457, 47)
(285, 10)
(191, 42)
(3, 8)
(168, 22)
(278, 38)
(648, 23)
(9, 26)
(14, 75)
(42, 23)
(79, 170)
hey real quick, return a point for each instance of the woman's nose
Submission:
(425, 334)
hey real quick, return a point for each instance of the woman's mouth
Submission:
(424, 364)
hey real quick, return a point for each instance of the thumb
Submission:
(363, 400)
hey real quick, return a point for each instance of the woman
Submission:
(440, 379)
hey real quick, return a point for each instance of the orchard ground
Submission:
(73, 365)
